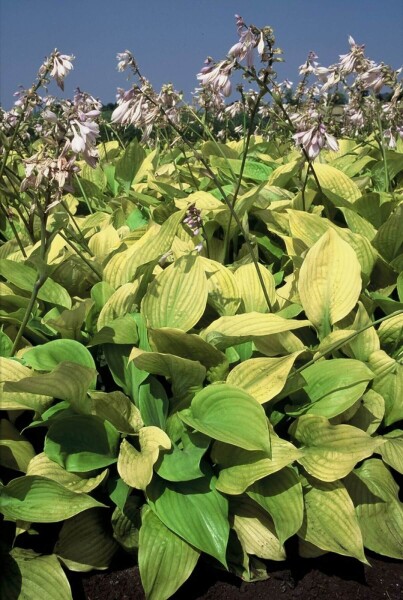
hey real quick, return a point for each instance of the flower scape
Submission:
(201, 320)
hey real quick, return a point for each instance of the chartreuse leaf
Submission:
(250, 288)
(48, 356)
(126, 523)
(331, 451)
(118, 409)
(119, 304)
(229, 331)
(15, 450)
(24, 277)
(178, 295)
(332, 386)
(239, 468)
(104, 242)
(76, 482)
(68, 381)
(206, 526)
(255, 529)
(165, 560)
(13, 371)
(122, 330)
(221, 411)
(280, 494)
(84, 542)
(390, 331)
(262, 378)
(390, 386)
(336, 185)
(392, 449)
(330, 521)
(329, 281)
(379, 511)
(26, 574)
(129, 163)
(183, 464)
(223, 291)
(39, 500)
(82, 443)
(370, 413)
(136, 468)
(186, 375)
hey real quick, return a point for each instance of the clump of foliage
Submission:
(201, 338)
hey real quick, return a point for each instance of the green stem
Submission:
(83, 192)
(35, 291)
(81, 255)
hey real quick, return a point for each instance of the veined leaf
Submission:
(118, 409)
(329, 281)
(331, 451)
(184, 464)
(12, 371)
(223, 291)
(178, 296)
(221, 411)
(15, 450)
(30, 575)
(165, 560)
(392, 449)
(262, 378)
(336, 185)
(250, 288)
(280, 494)
(84, 542)
(42, 466)
(330, 521)
(206, 526)
(38, 500)
(136, 468)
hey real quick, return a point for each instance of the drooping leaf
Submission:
(392, 450)
(15, 450)
(221, 411)
(206, 526)
(165, 560)
(223, 291)
(183, 464)
(136, 468)
(82, 443)
(42, 466)
(118, 409)
(12, 371)
(38, 500)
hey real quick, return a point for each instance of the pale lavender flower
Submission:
(60, 66)
(315, 139)
(310, 65)
(373, 78)
(126, 59)
(353, 61)
(217, 76)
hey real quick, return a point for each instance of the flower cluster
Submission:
(194, 221)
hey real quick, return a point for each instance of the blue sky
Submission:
(171, 38)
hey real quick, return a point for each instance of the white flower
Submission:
(125, 59)
(315, 139)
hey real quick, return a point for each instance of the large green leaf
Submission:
(330, 521)
(183, 464)
(76, 482)
(379, 511)
(118, 409)
(85, 543)
(223, 292)
(336, 185)
(178, 295)
(12, 371)
(38, 500)
(24, 277)
(281, 495)
(332, 386)
(129, 163)
(392, 449)
(165, 560)
(221, 411)
(330, 452)
(26, 574)
(206, 525)
(250, 288)
(136, 468)
(15, 450)
(329, 281)
(82, 443)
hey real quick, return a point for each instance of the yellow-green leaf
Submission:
(250, 288)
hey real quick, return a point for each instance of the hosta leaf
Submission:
(255, 530)
(136, 468)
(165, 560)
(379, 512)
(30, 575)
(126, 524)
(221, 411)
(390, 386)
(330, 521)
(129, 163)
(82, 443)
(76, 482)
(333, 386)
(119, 304)
(178, 296)
(392, 449)
(228, 331)
(104, 242)
(370, 412)
(118, 409)
(84, 542)
(336, 185)
(262, 378)
(281, 176)
(280, 494)
(68, 381)
(38, 500)
(184, 464)
(223, 292)
(240, 468)
(250, 288)
(331, 451)
(15, 450)
(24, 277)
(390, 331)
(13, 371)
(122, 330)
(329, 281)
(206, 526)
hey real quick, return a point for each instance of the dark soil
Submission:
(330, 577)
